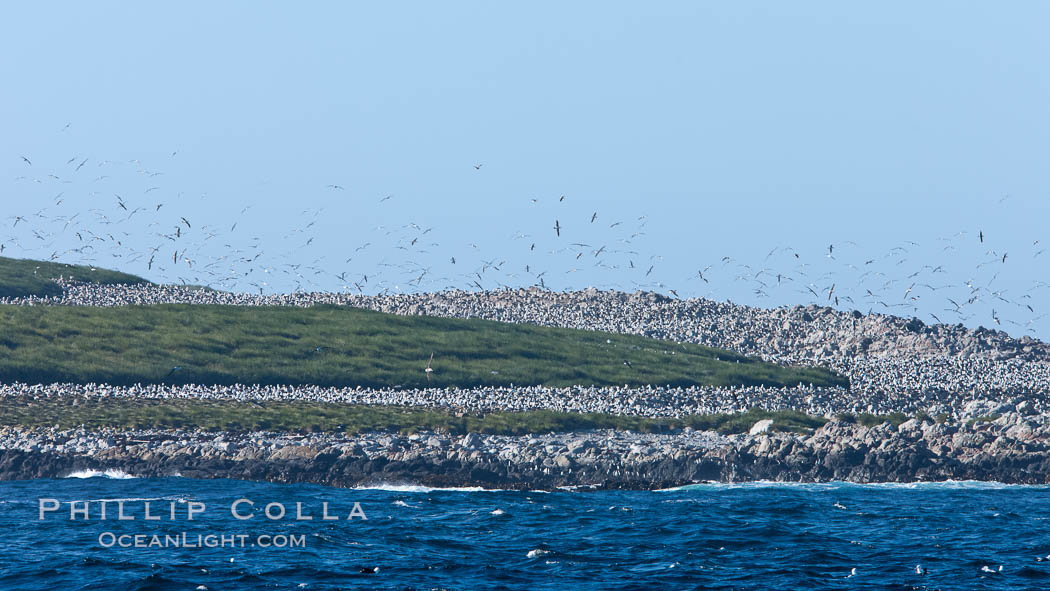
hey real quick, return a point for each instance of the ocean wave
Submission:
(578, 487)
(952, 484)
(416, 488)
(837, 484)
(111, 473)
(137, 499)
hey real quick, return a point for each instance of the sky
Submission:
(764, 153)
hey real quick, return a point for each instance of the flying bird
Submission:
(557, 227)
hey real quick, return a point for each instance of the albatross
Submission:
(429, 370)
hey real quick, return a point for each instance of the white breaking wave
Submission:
(415, 488)
(111, 473)
(133, 499)
(839, 484)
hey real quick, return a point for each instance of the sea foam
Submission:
(415, 488)
(111, 473)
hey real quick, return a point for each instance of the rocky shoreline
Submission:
(1012, 448)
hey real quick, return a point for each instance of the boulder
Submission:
(762, 426)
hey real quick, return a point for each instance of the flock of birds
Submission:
(120, 215)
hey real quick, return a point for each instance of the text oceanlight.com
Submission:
(187, 540)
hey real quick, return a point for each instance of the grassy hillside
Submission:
(341, 346)
(322, 417)
(23, 277)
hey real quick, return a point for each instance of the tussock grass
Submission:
(342, 346)
(866, 419)
(299, 416)
(333, 346)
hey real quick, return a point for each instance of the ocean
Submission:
(710, 536)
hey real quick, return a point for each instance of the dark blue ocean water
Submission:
(755, 536)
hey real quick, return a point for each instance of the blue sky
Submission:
(894, 132)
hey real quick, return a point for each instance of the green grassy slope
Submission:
(323, 417)
(24, 277)
(341, 346)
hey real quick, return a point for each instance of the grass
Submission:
(342, 346)
(323, 417)
(867, 419)
(339, 346)
(983, 419)
(23, 277)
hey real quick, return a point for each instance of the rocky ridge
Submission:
(1010, 447)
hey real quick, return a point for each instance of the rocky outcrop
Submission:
(1012, 448)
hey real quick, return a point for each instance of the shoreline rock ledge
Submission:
(1012, 448)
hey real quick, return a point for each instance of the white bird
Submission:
(988, 569)
(429, 370)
